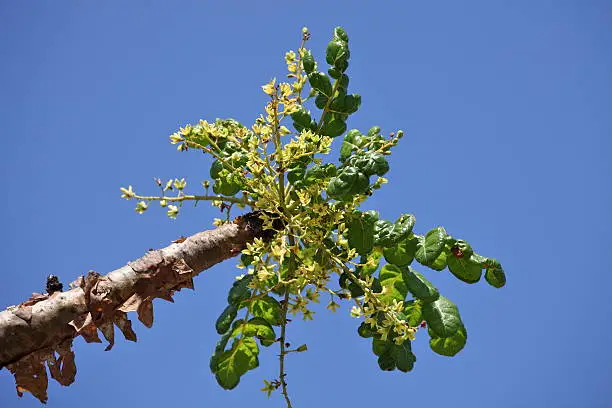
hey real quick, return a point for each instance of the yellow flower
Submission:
(173, 211)
(384, 333)
(312, 295)
(285, 89)
(290, 56)
(308, 314)
(333, 306)
(186, 131)
(269, 88)
(176, 138)
(127, 192)
(289, 109)
(141, 207)
(284, 131)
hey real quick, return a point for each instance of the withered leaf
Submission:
(132, 304)
(63, 368)
(145, 313)
(85, 327)
(35, 298)
(181, 267)
(165, 294)
(125, 325)
(31, 375)
(108, 330)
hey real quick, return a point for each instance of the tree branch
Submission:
(41, 329)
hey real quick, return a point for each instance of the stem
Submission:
(196, 198)
(281, 193)
(327, 104)
(283, 352)
(299, 68)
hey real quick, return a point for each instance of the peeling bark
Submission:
(40, 330)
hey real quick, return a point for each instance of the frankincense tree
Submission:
(316, 242)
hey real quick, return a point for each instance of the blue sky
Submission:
(507, 112)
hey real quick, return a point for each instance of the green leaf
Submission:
(257, 327)
(461, 249)
(387, 234)
(345, 103)
(337, 54)
(370, 163)
(379, 347)
(419, 286)
(215, 169)
(413, 312)
(403, 253)
(246, 260)
(440, 263)
(234, 363)
(355, 289)
(403, 356)
(391, 355)
(308, 62)
(343, 83)
(382, 233)
(219, 349)
(376, 286)
(295, 175)
(240, 290)
(373, 258)
(348, 182)
(321, 83)
(334, 73)
(361, 232)
(301, 119)
(319, 172)
(199, 135)
(340, 34)
(442, 316)
(334, 127)
(464, 269)
(448, 346)
(343, 280)
(267, 308)
(393, 283)
(226, 318)
(386, 362)
(431, 246)
(495, 275)
(479, 260)
(374, 130)
(321, 101)
(353, 140)
(226, 187)
(365, 330)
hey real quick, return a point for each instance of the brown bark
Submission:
(41, 329)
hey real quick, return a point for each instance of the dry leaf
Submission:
(145, 313)
(125, 325)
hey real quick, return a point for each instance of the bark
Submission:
(40, 330)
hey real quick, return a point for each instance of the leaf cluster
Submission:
(280, 166)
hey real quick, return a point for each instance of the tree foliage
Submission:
(321, 243)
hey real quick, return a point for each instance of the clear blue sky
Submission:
(507, 108)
